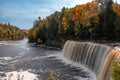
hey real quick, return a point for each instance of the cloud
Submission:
(22, 13)
(72, 3)
(19, 16)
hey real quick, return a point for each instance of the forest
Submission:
(91, 21)
(10, 32)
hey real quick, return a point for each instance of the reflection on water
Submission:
(20, 60)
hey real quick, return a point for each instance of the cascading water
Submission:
(96, 57)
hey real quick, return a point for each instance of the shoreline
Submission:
(61, 44)
(12, 39)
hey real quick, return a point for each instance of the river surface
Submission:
(20, 60)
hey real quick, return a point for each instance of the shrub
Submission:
(115, 70)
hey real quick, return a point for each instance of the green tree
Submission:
(106, 20)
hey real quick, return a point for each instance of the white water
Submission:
(5, 58)
(22, 75)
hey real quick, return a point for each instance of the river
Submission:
(19, 60)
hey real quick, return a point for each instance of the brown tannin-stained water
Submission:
(96, 57)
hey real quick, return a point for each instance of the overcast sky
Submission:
(22, 13)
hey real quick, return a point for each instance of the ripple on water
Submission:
(21, 53)
(27, 48)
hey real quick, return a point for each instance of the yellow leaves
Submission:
(77, 9)
(64, 22)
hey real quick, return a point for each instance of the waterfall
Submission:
(96, 57)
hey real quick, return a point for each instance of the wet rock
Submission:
(2, 75)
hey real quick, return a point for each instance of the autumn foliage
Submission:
(10, 32)
(86, 21)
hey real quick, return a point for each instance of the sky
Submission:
(22, 13)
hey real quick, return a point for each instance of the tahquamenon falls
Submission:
(20, 60)
(96, 57)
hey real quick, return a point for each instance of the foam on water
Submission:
(22, 75)
(27, 48)
(117, 48)
(5, 58)
(81, 78)
(21, 53)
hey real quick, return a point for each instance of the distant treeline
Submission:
(10, 32)
(89, 21)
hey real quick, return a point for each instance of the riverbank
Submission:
(2, 40)
(61, 44)
(54, 44)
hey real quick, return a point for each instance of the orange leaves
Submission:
(118, 13)
(39, 41)
(1, 24)
(76, 14)
(116, 8)
(81, 6)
